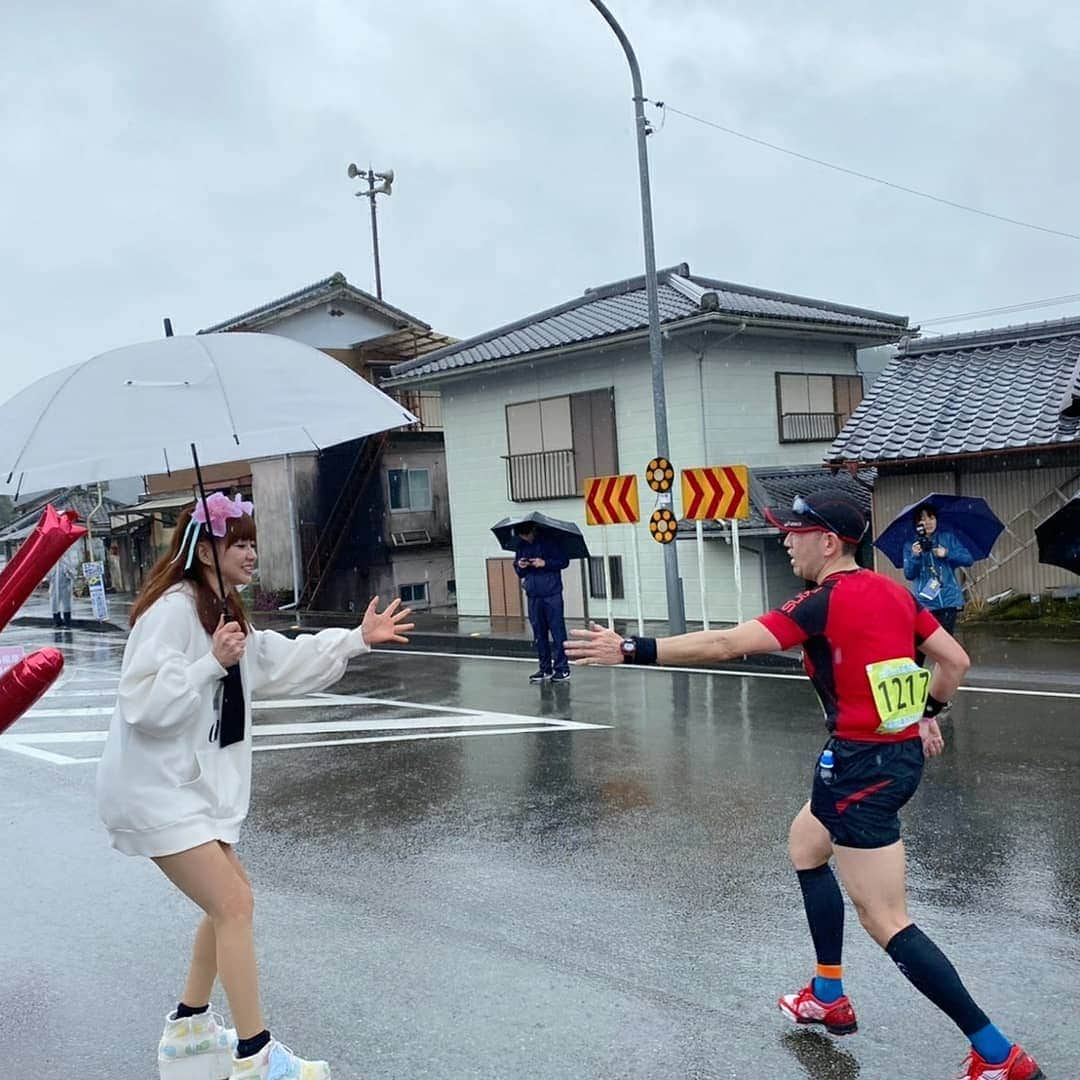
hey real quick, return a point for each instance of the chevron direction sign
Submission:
(719, 491)
(611, 500)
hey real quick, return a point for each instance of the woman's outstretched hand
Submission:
(386, 625)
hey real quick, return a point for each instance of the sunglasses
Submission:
(800, 506)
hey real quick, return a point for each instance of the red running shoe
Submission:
(838, 1017)
(1017, 1066)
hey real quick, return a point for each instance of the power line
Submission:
(866, 176)
(1050, 301)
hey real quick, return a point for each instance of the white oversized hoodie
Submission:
(164, 783)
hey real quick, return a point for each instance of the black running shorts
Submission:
(871, 782)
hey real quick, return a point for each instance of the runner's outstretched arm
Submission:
(598, 645)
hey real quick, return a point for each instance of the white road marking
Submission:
(407, 738)
(437, 722)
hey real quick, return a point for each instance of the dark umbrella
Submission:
(565, 533)
(967, 517)
(1059, 537)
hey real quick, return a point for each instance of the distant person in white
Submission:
(175, 780)
(62, 585)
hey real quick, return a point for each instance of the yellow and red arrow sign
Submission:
(611, 500)
(719, 491)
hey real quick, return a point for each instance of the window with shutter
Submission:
(813, 408)
(555, 443)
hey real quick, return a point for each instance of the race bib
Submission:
(900, 688)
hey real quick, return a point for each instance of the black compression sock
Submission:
(824, 912)
(928, 969)
(183, 1010)
(249, 1047)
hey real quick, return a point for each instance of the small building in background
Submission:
(339, 524)
(993, 413)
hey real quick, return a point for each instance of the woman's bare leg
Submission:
(203, 970)
(211, 876)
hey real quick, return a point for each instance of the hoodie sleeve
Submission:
(958, 555)
(912, 563)
(289, 667)
(161, 687)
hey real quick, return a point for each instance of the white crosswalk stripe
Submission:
(393, 721)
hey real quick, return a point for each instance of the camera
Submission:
(924, 541)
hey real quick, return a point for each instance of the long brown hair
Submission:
(169, 571)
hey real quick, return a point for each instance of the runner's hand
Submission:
(228, 643)
(386, 625)
(596, 645)
(933, 742)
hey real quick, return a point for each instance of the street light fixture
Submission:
(385, 181)
(676, 610)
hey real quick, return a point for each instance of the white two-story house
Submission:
(532, 409)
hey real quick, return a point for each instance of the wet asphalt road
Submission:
(600, 902)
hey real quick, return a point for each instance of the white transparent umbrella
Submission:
(155, 407)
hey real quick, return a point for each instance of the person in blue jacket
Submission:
(539, 563)
(930, 562)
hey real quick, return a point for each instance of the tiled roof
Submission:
(622, 308)
(994, 390)
(334, 287)
(777, 486)
(83, 501)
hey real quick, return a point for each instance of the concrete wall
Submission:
(1020, 496)
(435, 566)
(270, 493)
(403, 452)
(431, 564)
(721, 410)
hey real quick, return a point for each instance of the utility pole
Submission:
(676, 608)
(385, 182)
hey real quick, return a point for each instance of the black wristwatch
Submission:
(629, 649)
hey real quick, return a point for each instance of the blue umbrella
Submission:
(967, 517)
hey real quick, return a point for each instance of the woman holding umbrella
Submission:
(175, 779)
(931, 562)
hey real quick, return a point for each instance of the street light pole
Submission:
(386, 180)
(374, 233)
(676, 610)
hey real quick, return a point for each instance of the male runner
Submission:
(859, 631)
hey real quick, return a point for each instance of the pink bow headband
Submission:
(221, 508)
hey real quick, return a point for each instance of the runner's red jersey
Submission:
(852, 619)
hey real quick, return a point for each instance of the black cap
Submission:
(838, 514)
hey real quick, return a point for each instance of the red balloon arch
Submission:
(25, 682)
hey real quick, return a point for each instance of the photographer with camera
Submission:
(931, 563)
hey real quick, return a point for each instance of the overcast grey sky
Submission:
(188, 159)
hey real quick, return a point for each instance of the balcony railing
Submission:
(546, 475)
(810, 426)
(425, 405)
